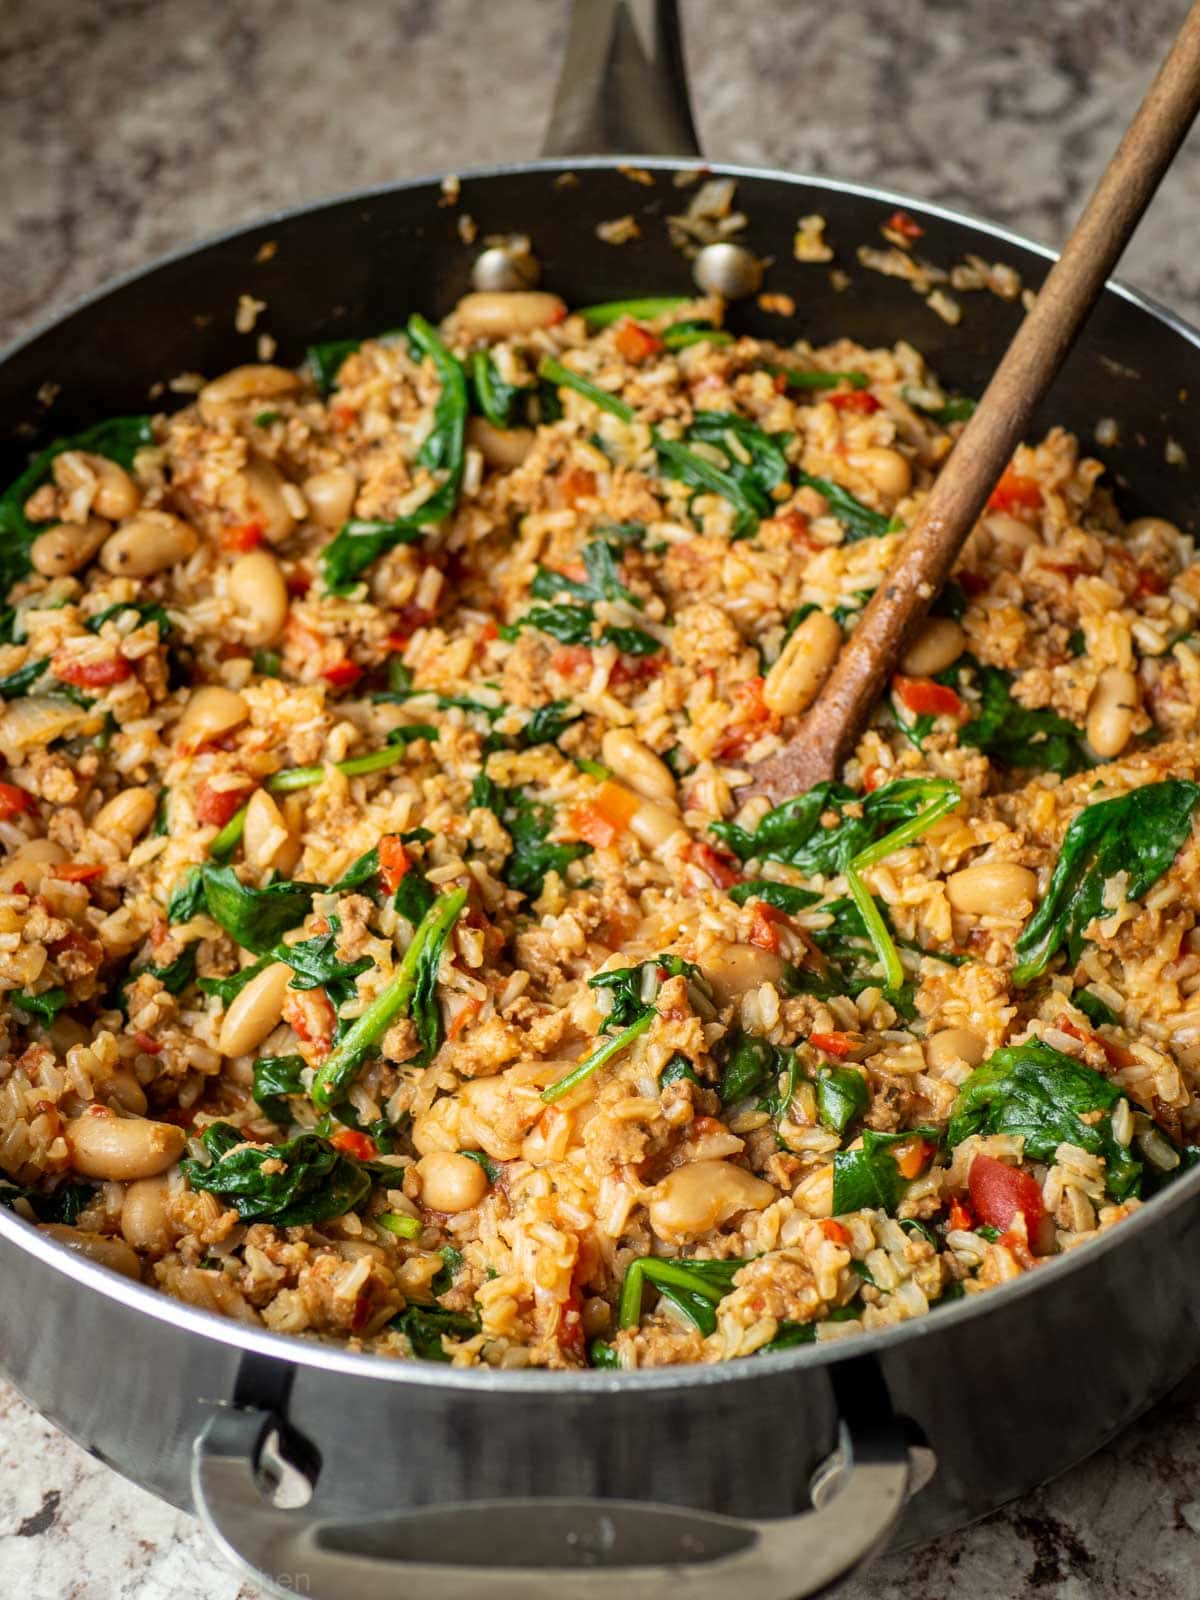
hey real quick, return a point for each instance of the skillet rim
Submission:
(294, 1349)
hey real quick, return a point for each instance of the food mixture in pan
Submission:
(389, 954)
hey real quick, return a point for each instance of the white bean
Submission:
(252, 382)
(330, 496)
(148, 543)
(500, 447)
(506, 314)
(257, 588)
(887, 469)
(937, 646)
(267, 840)
(267, 498)
(103, 1145)
(451, 1182)
(696, 1198)
(635, 764)
(127, 815)
(652, 824)
(951, 1046)
(67, 546)
(255, 1011)
(114, 493)
(1115, 702)
(733, 969)
(99, 1247)
(804, 663)
(210, 711)
(145, 1223)
(1001, 887)
(30, 864)
(1153, 528)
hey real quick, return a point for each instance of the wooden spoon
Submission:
(832, 725)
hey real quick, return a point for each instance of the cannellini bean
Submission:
(702, 1195)
(67, 546)
(1152, 528)
(257, 589)
(635, 764)
(145, 1223)
(732, 969)
(122, 1148)
(267, 840)
(887, 469)
(266, 495)
(653, 824)
(36, 721)
(505, 314)
(127, 815)
(99, 1247)
(213, 1291)
(252, 382)
(1115, 702)
(148, 543)
(29, 865)
(804, 663)
(124, 1090)
(255, 1011)
(114, 493)
(450, 1182)
(937, 646)
(330, 496)
(210, 711)
(499, 447)
(1002, 887)
(951, 1046)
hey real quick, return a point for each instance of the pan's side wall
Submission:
(359, 265)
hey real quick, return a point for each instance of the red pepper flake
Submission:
(857, 400)
(925, 696)
(353, 1143)
(834, 1044)
(834, 1231)
(243, 536)
(637, 344)
(1015, 492)
(394, 861)
(720, 868)
(216, 806)
(79, 871)
(1115, 1054)
(343, 674)
(961, 1216)
(908, 227)
(91, 674)
(763, 930)
(13, 800)
(147, 1043)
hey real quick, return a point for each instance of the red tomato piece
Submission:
(1115, 1054)
(924, 695)
(298, 583)
(834, 1231)
(343, 674)
(218, 806)
(394, 861)
(570, 659)
(78, 871)
(1015, 492)
(637, 344)
(352, 1143)
(961, 1216)
(147, 1043)
(13, 800)
(763, 931)
(900, 222)
(242, 537)
(605, 816)
(720, 868)
(92, 674)
(833, 1044)
(857, 400)
(1000, 1192)
(634, 670)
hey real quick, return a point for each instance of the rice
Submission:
(533, 718)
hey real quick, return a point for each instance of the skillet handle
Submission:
(565, 1549)
(614, 96)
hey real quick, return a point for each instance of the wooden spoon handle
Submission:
(833, 724)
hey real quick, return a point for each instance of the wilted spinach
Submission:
(315, 1184)
(255, 918)
(869, 1177)
(275, 1077)
(1020, 738)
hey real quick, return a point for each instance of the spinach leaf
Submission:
(1046, 1098)
(783, 896)
(315, 965)
(547, 724)
(598, 1057)
(1039, 739)
(119, 439)
(482, 1159)
(326, 361)
(275, 1077)
(858, 520)
(695, 1288)
(869, 1177)
(187, 897)
(412, 992)
(19, 683)
(753, 1065)
(678, 1070)
(145, 612)
(45, 1006)
(755, 464)
(695, 330)
(499, 402)
(1139, 834)
(174, 975)
(255, 918)
(633, 990)
(315, 1184)
(268, 663)
(572, 624)
(452, 1261)
(1093, 1008)
(293, 778)
(645, 309)
(360, 542)
(603, 581)
(229, 988)
(414, 895)
(62, 1205)
(563, 378)
(842, 1095)
(797, 378)
(425, 1327)
(527, 823)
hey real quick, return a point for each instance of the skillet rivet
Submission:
(503, 267)
(729, 270)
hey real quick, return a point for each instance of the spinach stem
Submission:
(881, 939)
(292, 778)
(554, 372)
(591, 1063)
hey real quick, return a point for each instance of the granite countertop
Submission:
(131, 127)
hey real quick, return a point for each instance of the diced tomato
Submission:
(13, 801)
(834, 1044)
(79, 871)
(576, 484)
(1150, 582)
(797, 524)
(1000, 1192)
(342, 416)
(394, 861)
(752, 717)
(570, 659)
(834, 1231)
(781, 383)
(871, 780)
(925, 695)
(147, 1043)
(720, 868)
(463, 1018)
(900, 222)
(489, 631)
(218, 806)
(913, 1156)
(1115, 1054)
(353, 1143)
(244, 536)
(343, 674)
(637, 344)
(92, 674)
(634, 669)
(1015, 492)
(961, 1216)
(409, 618)
(857, 400)
(763, 931)
(604, 816)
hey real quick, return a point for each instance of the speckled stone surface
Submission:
(130, 127)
